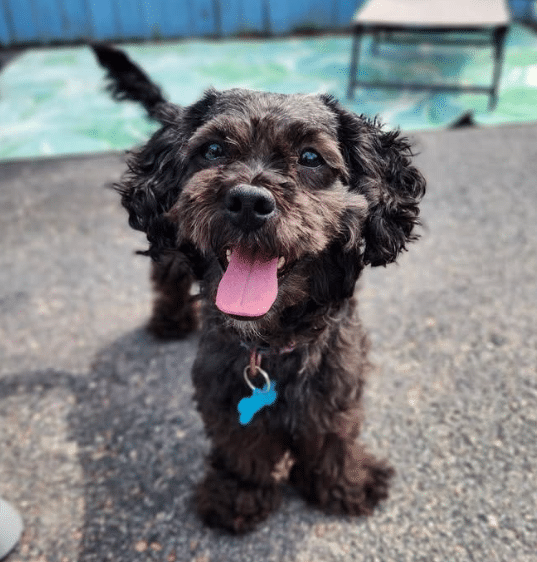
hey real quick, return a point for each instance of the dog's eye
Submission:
(213, 151)
(310, 158)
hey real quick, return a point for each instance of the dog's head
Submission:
(287, 197)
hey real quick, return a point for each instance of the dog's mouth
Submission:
(249, 285)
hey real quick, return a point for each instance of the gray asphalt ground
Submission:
(100, 445)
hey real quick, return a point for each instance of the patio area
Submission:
(101, 446)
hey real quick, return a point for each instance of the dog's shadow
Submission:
(142, 450)
(141, 447)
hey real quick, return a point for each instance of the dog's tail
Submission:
(127, 81)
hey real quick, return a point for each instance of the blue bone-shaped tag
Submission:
(250, 405)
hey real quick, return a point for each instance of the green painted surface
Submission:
(52, 101)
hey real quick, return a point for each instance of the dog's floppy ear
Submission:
(154, 179)
(150, 187)
(380, 167)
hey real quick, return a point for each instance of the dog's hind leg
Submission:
(175, 309)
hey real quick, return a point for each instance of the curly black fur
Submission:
(357, 206)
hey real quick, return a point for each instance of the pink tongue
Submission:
(249, 286)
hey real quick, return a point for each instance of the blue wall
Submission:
(45, 21)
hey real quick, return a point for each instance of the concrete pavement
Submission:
(100, 445)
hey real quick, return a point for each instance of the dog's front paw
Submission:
(362, 491)
(236, 506)
(353, 489)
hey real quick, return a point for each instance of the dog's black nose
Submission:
(249, 207)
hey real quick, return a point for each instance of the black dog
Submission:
(275, 204)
